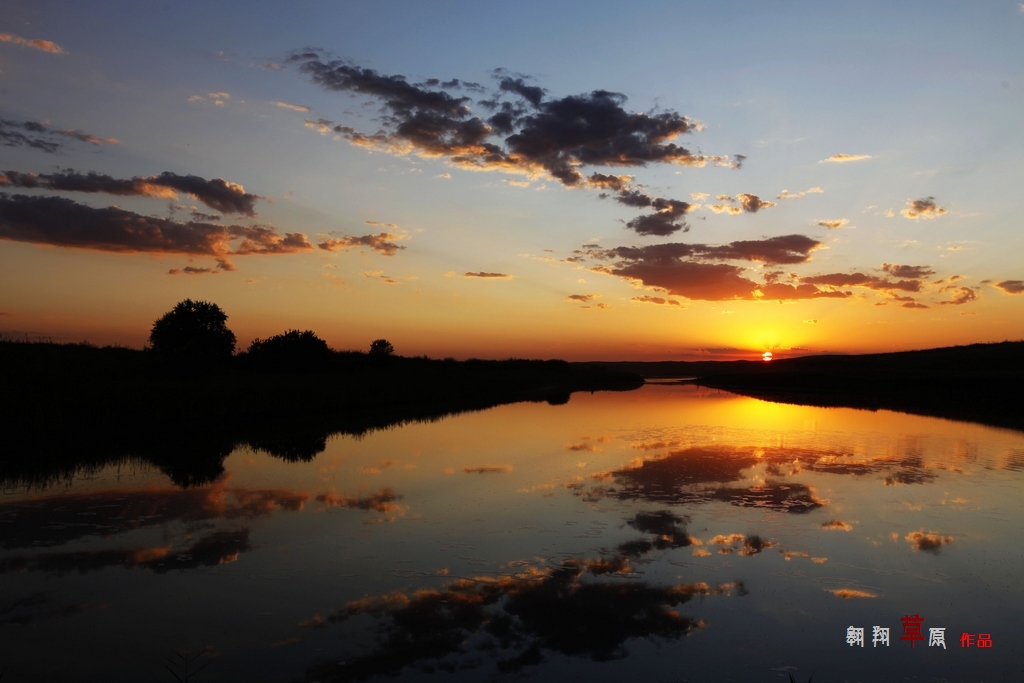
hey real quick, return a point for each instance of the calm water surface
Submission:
(669, 534)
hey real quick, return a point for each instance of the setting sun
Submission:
(766, 356)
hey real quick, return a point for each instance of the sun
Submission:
(766, 356)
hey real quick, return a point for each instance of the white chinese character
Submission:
(880, 635)
(937, 636)
(855, 636)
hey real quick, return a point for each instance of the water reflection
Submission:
(515, 619)
(531, 541)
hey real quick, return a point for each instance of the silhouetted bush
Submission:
(381, 348)
(292, 350)
(194, 332)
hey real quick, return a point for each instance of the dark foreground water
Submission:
(665, 534)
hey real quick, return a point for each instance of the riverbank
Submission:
(69, 406)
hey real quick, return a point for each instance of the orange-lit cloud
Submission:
(922, 208)
(844, 158)
(931, 541)
(488, 276)
(962, 295)
(34, 43)
(836, 524)
(216, 193)
(293, 107)
(850, 593)
(382, 243)
(833, 224)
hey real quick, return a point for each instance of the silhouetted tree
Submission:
(292, 350)
(194, 331)
(381, 348)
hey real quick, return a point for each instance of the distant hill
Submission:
(977, 383)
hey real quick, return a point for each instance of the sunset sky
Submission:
(589, 181)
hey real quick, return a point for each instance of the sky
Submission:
(578, 180)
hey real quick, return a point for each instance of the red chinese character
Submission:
(966, 639)
(984, 640)
(912, 628)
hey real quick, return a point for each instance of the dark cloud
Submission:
(702, 474)
(563, 609)
(930, 541)
(60, 222)
(382, 243)
(485, 275)
(922, 208)
(487, 469)
(751, 203)
(962, 295)
(204, 217)
(678, 268)
(189, 270)
(1011, 286)
(907, 272)
(581, 298)
(862, 280)
(786, 249)
(216, 193)
(836, 525)
(42, 137)
(833, 224)
(534, 133)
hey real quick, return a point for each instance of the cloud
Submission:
(670, 212)
(678, 268)
(844, 158)
(189, 270)
(927, 541)
(380, 274)
(786, 194)
(382, 243)
(849, 593)
(655, 300)
(963, 295)
(487, 469)
(484, 275)
(41, 136)
(220, 99)
(836, 524)
(216, 193)
(60, 222)
(751, 203)
(922, 208)
(293, 107)
(862, 280)
(34, 43)
(526, 616)
(581, 298)
(527, 131)
(1011, 286)
(833, 224)
(383, 501)
(911, 272)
